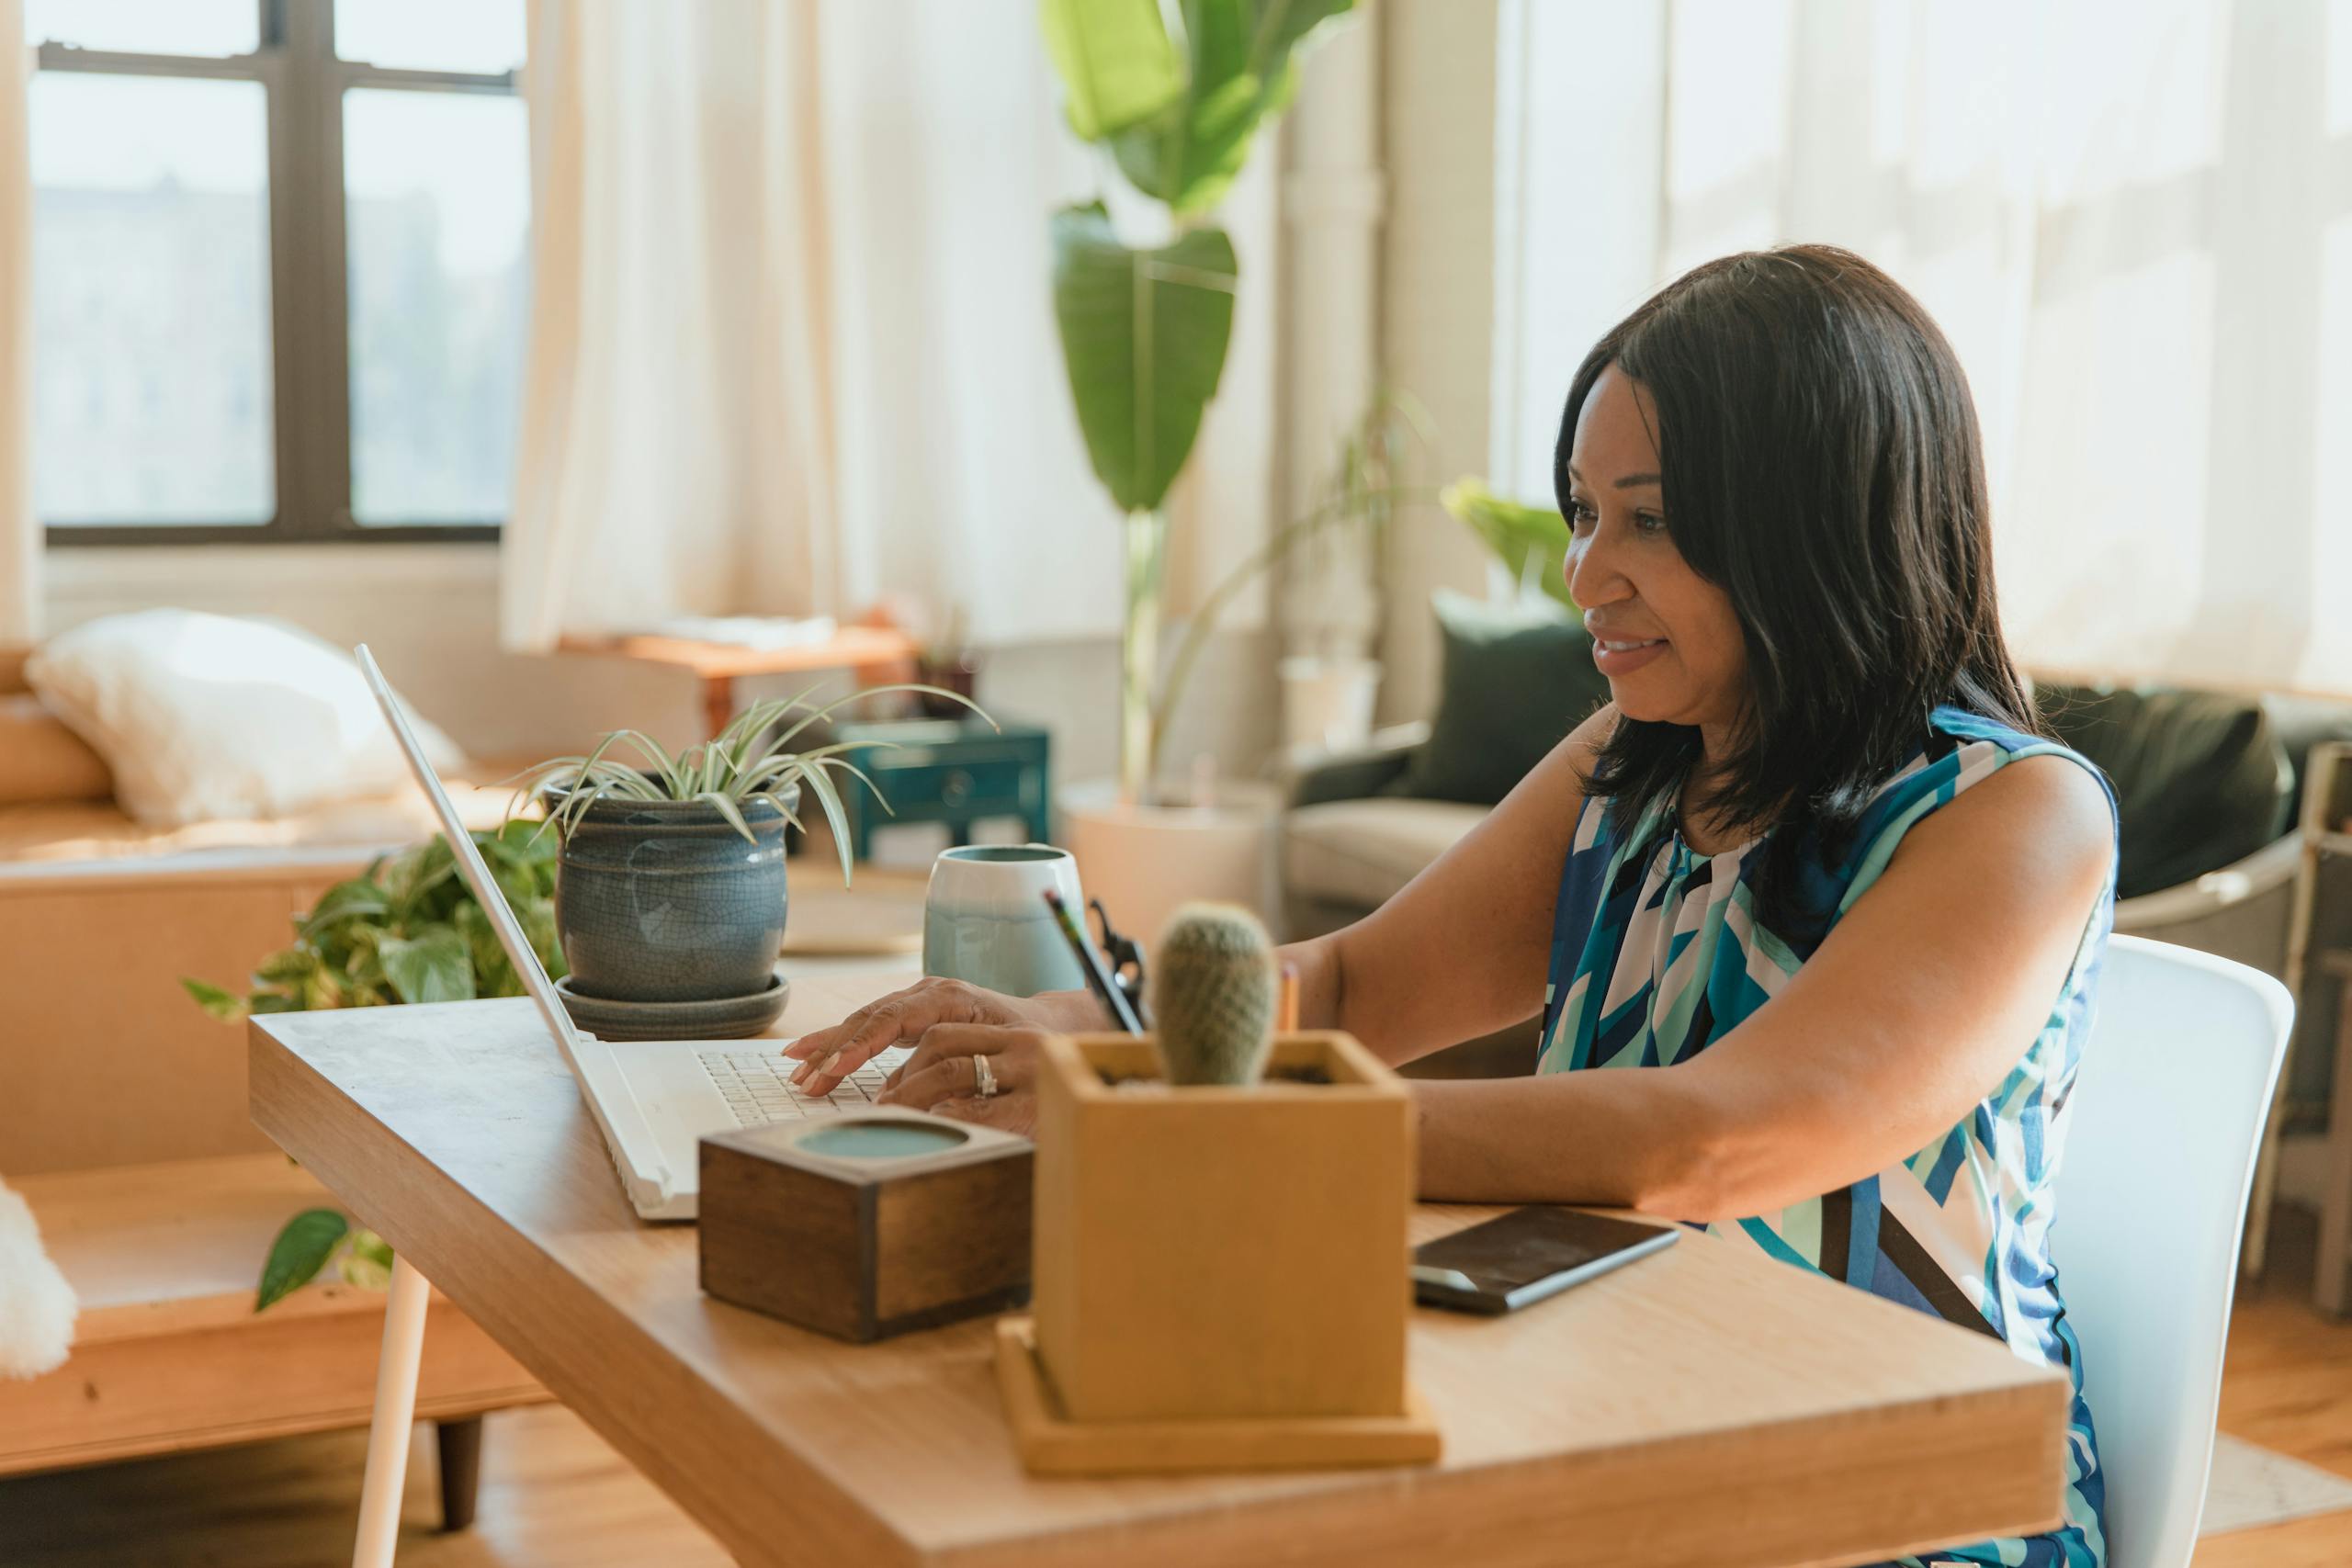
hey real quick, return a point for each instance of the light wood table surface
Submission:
(1704, 1407)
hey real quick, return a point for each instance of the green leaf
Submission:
(497, 850)
(1117, 65)
(517, 885)
(368, 1264)
(1531, 541)
(275, 1001)
(288, 966)
(350, 951)
(1240, 76)
(360, 897)
(223, 1006)
(410, 876)
(727, 809)
(434, 967)
(1144, 335)
(538, 925)
(297, 1254)
(830, 798)
(321, 990)
(493, 973)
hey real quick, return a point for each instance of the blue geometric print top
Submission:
(1657, 952)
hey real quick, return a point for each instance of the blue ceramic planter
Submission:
(664, 901)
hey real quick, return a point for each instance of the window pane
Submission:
(437, 191)
(152, 388)
(431, 35)
(147, 27)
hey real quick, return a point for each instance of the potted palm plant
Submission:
(1144, 330)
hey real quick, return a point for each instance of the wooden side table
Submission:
(873, 654)
(2324, 826)
(2336, 1207)
(958, 772)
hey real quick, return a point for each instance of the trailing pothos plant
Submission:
(406, 930)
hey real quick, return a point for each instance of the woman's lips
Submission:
(1623, 656)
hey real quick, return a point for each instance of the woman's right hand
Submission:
(828, 1056)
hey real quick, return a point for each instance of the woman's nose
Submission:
(1592, 576)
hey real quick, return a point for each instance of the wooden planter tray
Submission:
(1051, 1444)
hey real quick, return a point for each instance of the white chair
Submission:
(2168, 1109)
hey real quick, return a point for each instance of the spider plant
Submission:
(735, 768)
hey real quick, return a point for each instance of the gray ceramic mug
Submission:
(985, 919)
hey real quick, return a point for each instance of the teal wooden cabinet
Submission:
(958, 772)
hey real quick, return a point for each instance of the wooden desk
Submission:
(1706, 1407)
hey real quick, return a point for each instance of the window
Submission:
(279, 268)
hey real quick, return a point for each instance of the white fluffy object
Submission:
(211, 717)
(36, 1303)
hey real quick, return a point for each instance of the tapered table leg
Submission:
(459, 1442)
(388, 1433)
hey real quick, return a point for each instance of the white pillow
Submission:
(215, 718)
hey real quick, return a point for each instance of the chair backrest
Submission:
(2174, 1086)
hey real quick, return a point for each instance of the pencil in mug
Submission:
(1097, 977)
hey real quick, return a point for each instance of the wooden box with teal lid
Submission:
(867, 1223)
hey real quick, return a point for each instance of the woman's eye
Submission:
(1580, 515)
(1649, 522)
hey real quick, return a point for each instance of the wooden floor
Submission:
(2287, 1386)
(552, 1492)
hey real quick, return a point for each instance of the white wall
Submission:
(1437, 316)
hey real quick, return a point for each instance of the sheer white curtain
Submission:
(2133, 220)
(20, 533)
(793, 345)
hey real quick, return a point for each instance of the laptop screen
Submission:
(470, 864)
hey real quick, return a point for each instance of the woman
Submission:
(1811, 868)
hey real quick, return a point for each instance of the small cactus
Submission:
(1212, 990)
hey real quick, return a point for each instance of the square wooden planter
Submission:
(1221, 1275)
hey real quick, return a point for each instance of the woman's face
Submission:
(1668, 640)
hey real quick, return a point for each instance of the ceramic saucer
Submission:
(727, 1018)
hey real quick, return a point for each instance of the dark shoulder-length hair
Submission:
(1821, 464)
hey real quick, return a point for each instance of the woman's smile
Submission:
(1614, 658)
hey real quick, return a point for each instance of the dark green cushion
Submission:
(2201, 780)
(1515, 679)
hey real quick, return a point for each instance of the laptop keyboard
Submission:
(759, 1088)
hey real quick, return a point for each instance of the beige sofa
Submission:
(124, 1124)
(1346, 849)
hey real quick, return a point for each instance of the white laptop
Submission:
(652, 1099)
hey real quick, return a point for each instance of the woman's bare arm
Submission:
(1915, 1006)
(1461, 950)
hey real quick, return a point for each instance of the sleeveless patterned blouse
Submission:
(1657, 952)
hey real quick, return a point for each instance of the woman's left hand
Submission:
(941, 1077)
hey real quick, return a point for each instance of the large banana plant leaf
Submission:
(1144, 334)
(1242, 76)
(1531, 541)
(1117, 64)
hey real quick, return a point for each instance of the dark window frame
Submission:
(303, 83)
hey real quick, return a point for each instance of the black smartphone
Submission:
(1504, 1263)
